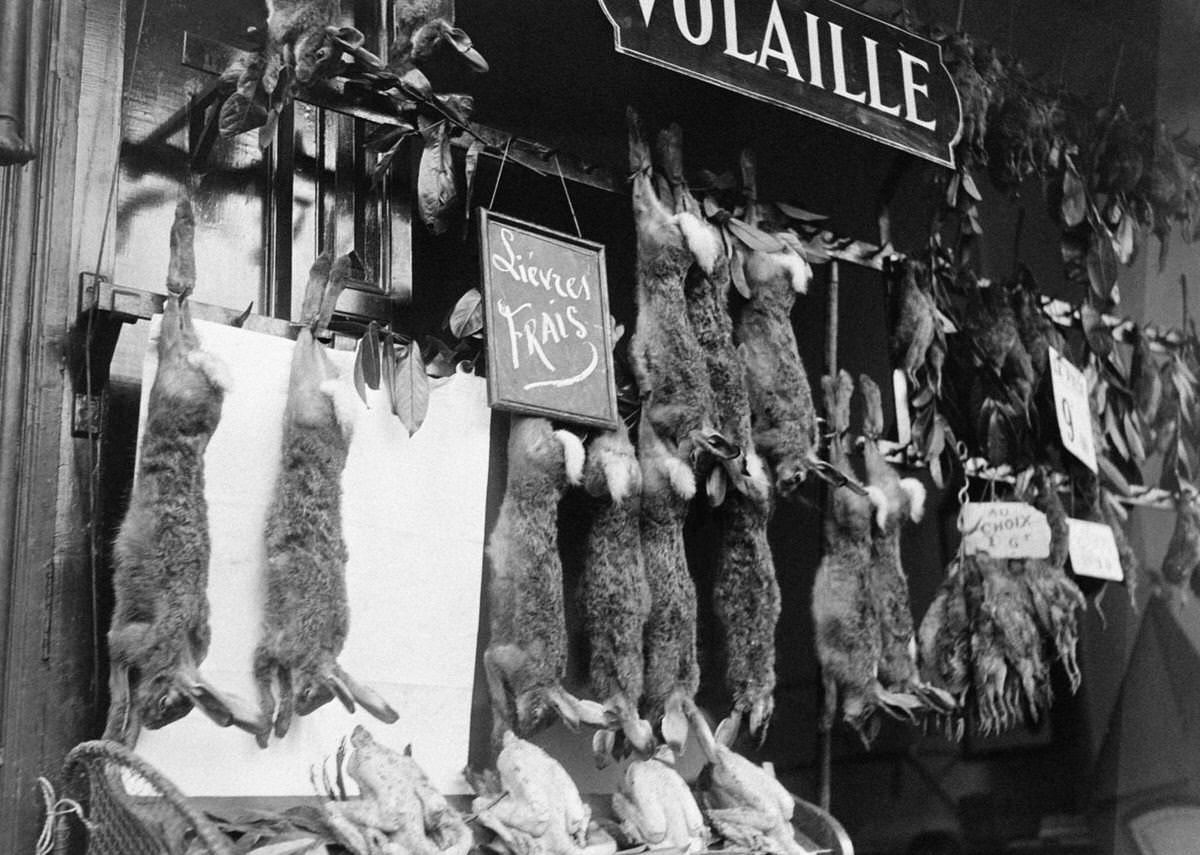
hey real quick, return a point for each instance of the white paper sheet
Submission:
(413, 517)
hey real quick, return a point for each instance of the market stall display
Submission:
(1000, 393)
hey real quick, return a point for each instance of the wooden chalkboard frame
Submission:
(608, 420)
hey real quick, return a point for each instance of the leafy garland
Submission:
(1110, 182)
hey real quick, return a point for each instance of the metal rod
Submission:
(831, 343)
(826, 782)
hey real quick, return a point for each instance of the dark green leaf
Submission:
(467, 317)
(297, 845)
(1074, 199)
(952, 190)
(439, 358)
(410, 395)
(1112, 429)
(348, 35)
(1098, 336)
(737, 272)
(384, 163)
(754, 237)
(1123, 239)
(968, 184)
(1102, 268)
(370, 347)
(417, 84)
(386, 136)
(360, 383)
(457, 107)
(1133, 438)
(387, 370)
(795, 213)
(240, 114)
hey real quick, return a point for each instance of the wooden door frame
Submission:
(49, 221)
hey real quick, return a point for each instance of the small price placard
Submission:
(1094, 551)
(1071, 404)
(1005, 530)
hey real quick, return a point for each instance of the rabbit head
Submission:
(536, 450)
(612, 470)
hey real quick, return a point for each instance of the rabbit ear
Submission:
(285, 708)
(368, 698)
(341, 691)
(122, 725)
(314, 292)
(222, 708)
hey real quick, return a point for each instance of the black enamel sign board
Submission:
(548, 334)
(815, 57)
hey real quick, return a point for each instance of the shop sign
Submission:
(548, 330)
(1094, 551)
(816, 57)
(1074, 414)
(1005, 530)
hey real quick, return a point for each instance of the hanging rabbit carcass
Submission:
(159, 633)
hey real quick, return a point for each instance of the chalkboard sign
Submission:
(548, 334)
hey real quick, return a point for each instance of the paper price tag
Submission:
(1071, 404)
(1094, 551)
(1005, 530)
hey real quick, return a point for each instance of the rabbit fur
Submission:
(307, 617)
(745, 593)
(848, 639)
(781, 402)
(668, 362)
(526, 656)
(902, 499)
(296, 33)
(672, 673)
(159, 632)
(615, 592)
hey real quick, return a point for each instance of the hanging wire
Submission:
(499, 174)
(94, 460)
(567, 193)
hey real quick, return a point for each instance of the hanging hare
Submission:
(526, 656)
(159, 633)
(307, 616)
